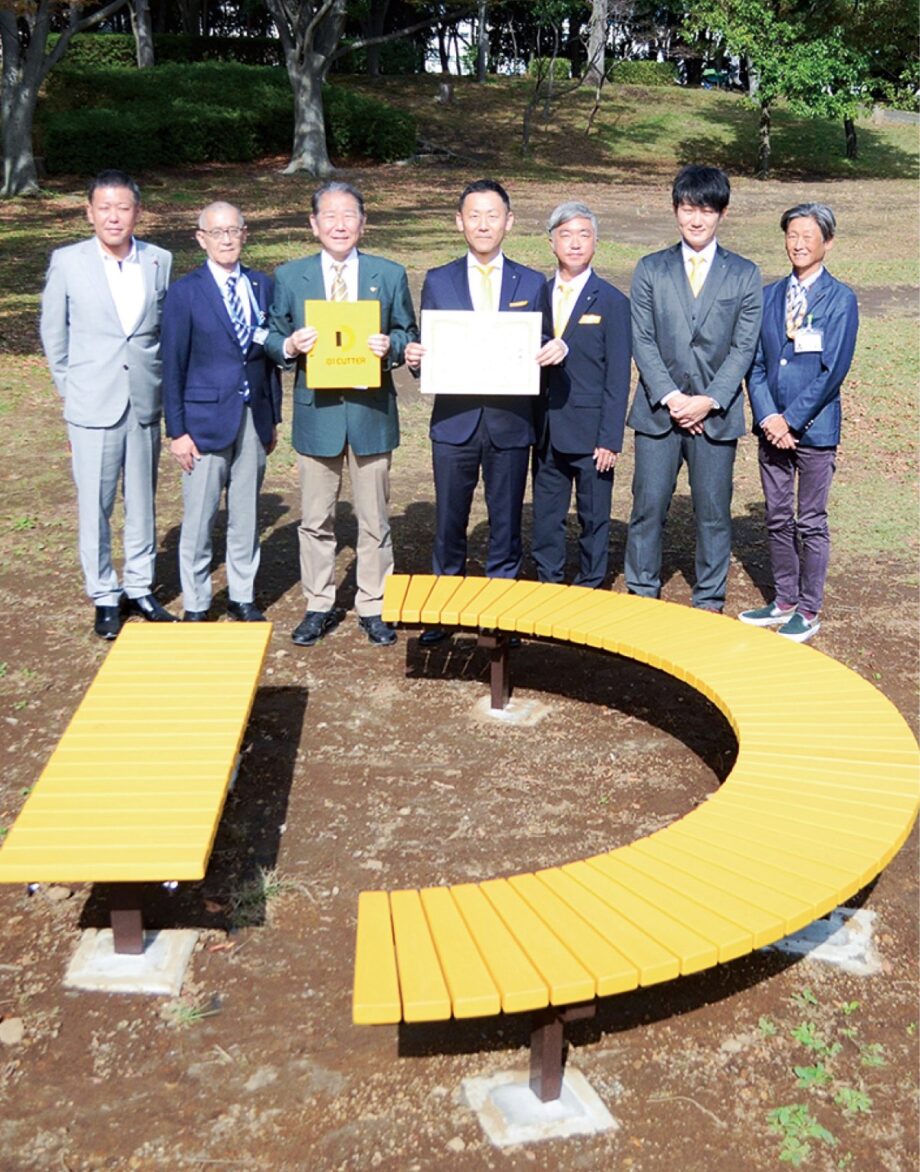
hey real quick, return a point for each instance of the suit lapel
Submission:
(95, 271)
(462, 284)
(678, 275)
(817, 293)
(583, 303)
(510, 278)
(214, 299)
(149, 268)
(368, 279)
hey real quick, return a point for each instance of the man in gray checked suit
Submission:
(696, 312)
(100, 329)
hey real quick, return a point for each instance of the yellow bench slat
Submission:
(473, 993)
(375, 997)
(424, 992)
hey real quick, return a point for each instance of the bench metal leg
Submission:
(126, 918)
(546, 1045)
(499, 673)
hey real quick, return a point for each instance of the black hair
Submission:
(112, 178)
(702, 187)
(484, 185)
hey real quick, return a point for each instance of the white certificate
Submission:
(469, 353)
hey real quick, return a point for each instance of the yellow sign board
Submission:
(341, 357)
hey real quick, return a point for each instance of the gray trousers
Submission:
(710, 465)
(240, 469)
(128, 452)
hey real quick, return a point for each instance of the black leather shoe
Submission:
(245, 612)
(315, 624)
(108, 622)
(377, 630)
(195, 616)
(148, 608)
(432, 635)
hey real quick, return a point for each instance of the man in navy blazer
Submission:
(582, 412)
(472, 432)
(222, 401)
(806, 346)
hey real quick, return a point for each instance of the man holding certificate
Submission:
(473, 431)
(342, 418)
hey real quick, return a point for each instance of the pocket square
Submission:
(516, 304)
(590, 319)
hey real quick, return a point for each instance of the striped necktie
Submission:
(796, 307)
(563, 309)
(339, 288)
(240, 325)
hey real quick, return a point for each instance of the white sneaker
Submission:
(799, 629)
(767, 616)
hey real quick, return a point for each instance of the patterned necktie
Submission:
(563, 309)
(237, 317)
(796, 307)
(339, 288)
(697, 275)
(487, 301)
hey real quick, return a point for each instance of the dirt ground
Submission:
(365, 767)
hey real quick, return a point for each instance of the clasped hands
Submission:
(303, 340)
(689, 411)
(776, 431)
(551, 353)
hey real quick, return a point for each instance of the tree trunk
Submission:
(763, 154)
(597, 41)
(849, 130)
(482, 44)
(309, 152)
(443, 49)
(143, 33)
(373, 26)
(20, 175)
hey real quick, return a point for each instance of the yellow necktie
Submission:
(339, 288)
(696, 274)
(486, 299)
(563, 309)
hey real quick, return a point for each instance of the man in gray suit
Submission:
(696, 312)
(330, 428)
(100, 329)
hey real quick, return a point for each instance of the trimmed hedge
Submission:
(643, 73)
(539, 66)
(208, 112)
(114, 50)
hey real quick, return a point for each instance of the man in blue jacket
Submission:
(473, 432)
(222, 401)
(806, 346)
(582, 413)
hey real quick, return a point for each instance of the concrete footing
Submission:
(159, 969)
(510, 1113)
(524, 713)
(842, 939)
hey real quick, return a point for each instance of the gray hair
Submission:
(219, 205)
(819, 212)
(570, 210)
(336, 185)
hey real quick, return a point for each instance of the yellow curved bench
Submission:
(823, 793)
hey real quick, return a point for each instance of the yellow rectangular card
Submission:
(341, 357)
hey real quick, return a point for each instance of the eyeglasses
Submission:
(220, 233)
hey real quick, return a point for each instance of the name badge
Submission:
(590, 319)
(809, 341)
(260, 335)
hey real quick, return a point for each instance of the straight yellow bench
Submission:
(823, 793)
(135, 789)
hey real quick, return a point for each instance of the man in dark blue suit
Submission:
(473, 432)
(582, 414)
(806, 346)
(222, 402)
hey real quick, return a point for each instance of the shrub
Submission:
(540, 66)
(113, 50)
(98, 50)
(643, 73)
(210, 111)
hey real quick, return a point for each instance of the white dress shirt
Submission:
(349, 273)
(126, 283)
(243, 288)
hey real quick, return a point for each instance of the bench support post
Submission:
(126, 918)
(546, 1046)
(499, 675)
